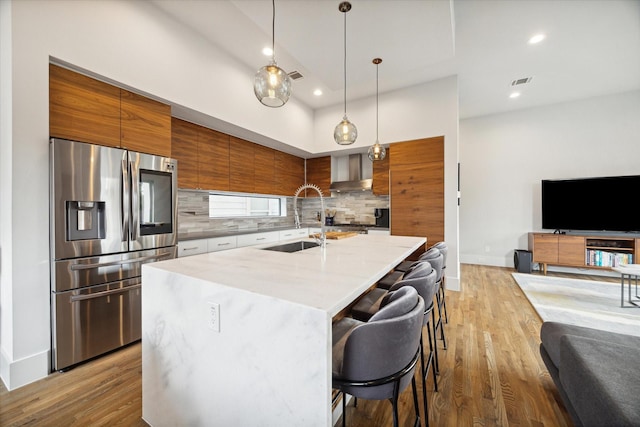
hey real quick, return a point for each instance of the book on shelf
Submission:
(600, 258)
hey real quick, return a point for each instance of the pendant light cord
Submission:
(345, 63)
(273, 31)
(377, 103)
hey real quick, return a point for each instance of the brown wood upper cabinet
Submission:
(381, 176)
(264, 170)
(319, 173)
(85, 109)
(242, 165)
(145, 124)
(289, 173)
(202, 154)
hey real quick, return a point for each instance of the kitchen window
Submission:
(233, 206)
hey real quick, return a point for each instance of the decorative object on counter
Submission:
(376, 151)
(345, 132)
(272, 85)
(329, 216)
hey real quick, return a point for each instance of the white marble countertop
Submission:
(326, 280)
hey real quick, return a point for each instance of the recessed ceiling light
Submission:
(514, 94)
(536, 39)
(317, 92)
(267, 51)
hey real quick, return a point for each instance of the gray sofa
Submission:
(597, 373)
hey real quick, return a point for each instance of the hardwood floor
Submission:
(490, 374)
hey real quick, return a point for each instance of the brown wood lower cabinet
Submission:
(577, 251)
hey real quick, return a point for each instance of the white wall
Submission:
(138, 46)
(505, 156)
(133, 44)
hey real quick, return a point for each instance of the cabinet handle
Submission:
(190, 249)
(261, 238)
(223, 244)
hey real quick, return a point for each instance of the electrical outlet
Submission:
(213, 316)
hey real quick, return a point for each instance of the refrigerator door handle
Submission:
(135, 202)
(76, 267)
(104, 293)
(124, 198)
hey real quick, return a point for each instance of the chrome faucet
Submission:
(296, 217)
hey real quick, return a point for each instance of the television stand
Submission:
(582, 251)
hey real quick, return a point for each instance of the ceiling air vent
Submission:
(295, 75)
(523, 81)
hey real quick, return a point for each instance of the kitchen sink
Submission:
(293, 246)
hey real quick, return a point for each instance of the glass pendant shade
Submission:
(377, 152)
(345, 132)
(272, 85)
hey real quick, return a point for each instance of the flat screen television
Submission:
(591, 204)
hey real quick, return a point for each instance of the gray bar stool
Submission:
(377, 359)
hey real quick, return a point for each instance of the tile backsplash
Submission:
(356, 207)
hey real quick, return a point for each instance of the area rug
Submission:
(580, 302)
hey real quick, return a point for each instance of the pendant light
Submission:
(345, 132)
(376, 151)
(272, 85)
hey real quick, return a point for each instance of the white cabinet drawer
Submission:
(222, 243)
(294, 233)
(258, 238)
(192, 247)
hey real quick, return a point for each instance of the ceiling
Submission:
(592, 47)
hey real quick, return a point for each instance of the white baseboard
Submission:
(17, 373)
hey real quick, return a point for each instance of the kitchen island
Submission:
(243, 337)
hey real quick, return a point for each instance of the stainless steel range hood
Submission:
(355, 182)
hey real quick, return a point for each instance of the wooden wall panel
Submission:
(184, 148)
(82, 108)
(213, 160)
(417, 189)
(417, 151)
(145, 124)
(381, 176)
(289, 173)
(241, 164)
(417, 200)
(319, 173)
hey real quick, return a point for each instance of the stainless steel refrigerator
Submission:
(111, 210)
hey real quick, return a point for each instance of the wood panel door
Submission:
(265, 169)
(289, 173)
(184, 148)
(241, 165)
(417, 201)
(571, 250)
(544, 248)
(213, 160)
(83, 109)
(417, 188)
(145, 124)
(319, 173)
(380, 185)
